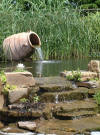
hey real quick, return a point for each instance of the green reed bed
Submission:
(62, 30)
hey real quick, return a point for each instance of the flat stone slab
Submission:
(56, 87)
(50, 80)
(28, 125)
(20, 79)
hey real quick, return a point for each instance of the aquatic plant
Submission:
(75, 76)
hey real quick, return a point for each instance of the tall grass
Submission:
(62, 30)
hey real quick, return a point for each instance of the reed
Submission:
(64, 33)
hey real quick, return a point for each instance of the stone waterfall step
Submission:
(76, 94)
(75, 109)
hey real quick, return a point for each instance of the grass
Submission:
(64, 33)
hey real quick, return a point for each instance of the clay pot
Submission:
(21, 45)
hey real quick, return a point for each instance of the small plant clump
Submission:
(97, 97)
(36, 98)
(6, 86)
(75, 76)
(20, 70)
(23, 100)
(3, 77)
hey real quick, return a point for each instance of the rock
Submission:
(84, 74)
(1, 125)
(94, 66)
(27, 125)
(1, 101)
(12, 128)
(89, 84)
(62, 127)
(50, 80)
(74, 109)
(56, 87)
(13, 115)
(1, 86)
(78, 94)
(17, 94)
(20, 79)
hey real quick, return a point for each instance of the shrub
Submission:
(76, 76)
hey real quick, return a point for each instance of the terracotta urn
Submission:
(21, 45)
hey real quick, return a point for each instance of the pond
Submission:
(50, 67)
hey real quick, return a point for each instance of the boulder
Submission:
(20, 79)
(1, 125)
(16, 94)
(94, 66)
(27, 125)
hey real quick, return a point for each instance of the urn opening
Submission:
(34, 40)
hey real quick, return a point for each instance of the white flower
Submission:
(21, 66)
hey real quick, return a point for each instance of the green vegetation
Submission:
(8, 87)
(3, 77)
(36, 98)
(62, 30)
(23, 100)
(20, 70)
(75, 76)
(97, 97)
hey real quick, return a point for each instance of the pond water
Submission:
(50, 67)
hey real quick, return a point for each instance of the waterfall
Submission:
(56, 99)
(39, 51)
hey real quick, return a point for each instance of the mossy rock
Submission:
(88, 6)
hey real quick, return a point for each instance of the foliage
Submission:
(23, 100)
(75, 76)
(3, 77)
(36, 98)
(97, 97)
(20, 70)
(8, 87)
(63, 32)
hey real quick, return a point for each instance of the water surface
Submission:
(50, 67)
